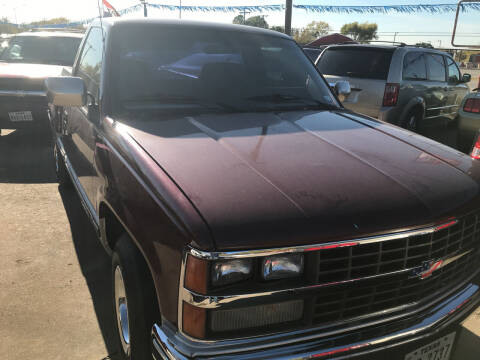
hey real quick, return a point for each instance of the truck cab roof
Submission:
(120, 22)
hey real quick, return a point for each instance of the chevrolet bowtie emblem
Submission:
(427, 268)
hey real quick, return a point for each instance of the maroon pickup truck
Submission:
(248, 214)
(25, 63)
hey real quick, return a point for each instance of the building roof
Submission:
(331, 39)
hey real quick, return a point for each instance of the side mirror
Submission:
(466, 78)
(66, 91)
(342, 89)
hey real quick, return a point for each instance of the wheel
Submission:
(134, 300)
(60, 168)
(465, 143)
(413, 120)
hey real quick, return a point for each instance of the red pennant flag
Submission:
(110, 8)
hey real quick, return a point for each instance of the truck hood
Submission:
(17, 70)
(264, 180)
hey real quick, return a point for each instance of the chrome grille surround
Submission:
(367, 296)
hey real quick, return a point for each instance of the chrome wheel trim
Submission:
(55, 155)
(121, 310)
(412, 122)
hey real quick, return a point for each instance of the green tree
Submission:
(54, 21)
(360, 32)
(278, 28)
(311, 32)
(461, 56)
(239, 19)
(257, 21)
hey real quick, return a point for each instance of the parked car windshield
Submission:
(356, 62)
(52, 50)
(312, 53)
(195, 69)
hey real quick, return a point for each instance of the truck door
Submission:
(80, 139)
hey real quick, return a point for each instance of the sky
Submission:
(410, 28)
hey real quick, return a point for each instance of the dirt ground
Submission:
(475, 77)
(55, 277)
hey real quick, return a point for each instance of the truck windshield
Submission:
(52, 50)
(195, 69)
(356, 62)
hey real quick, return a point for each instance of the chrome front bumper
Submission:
(169, 344)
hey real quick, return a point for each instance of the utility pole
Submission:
(394, 36)
(144, 2)
(245, 12)
(288, 17)
(180, 15)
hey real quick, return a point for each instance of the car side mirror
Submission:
(342, 89)
(466, 78)
(66, 91)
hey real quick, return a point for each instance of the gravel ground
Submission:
(55, 277)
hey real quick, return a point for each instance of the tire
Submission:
(412, 120)
(465, 143)
(60, 169)
(134, 300)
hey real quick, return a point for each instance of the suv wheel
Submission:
(134, 301)
(60, 168)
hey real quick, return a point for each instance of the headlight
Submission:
(282, 266)
(231, 271)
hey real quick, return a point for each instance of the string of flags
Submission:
(338, 9)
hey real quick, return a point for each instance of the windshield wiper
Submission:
(184, 100)
(282, 98)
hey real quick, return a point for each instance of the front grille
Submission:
(369, 278)
(21, 83)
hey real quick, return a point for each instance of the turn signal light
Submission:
(196, 275)
(390, 96)
(475, 154)
(472, 105)
(194, 320)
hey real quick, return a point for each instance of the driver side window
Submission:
(90, 63)
(453, 72)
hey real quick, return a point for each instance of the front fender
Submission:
(154, 212)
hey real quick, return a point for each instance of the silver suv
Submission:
(403, 85)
